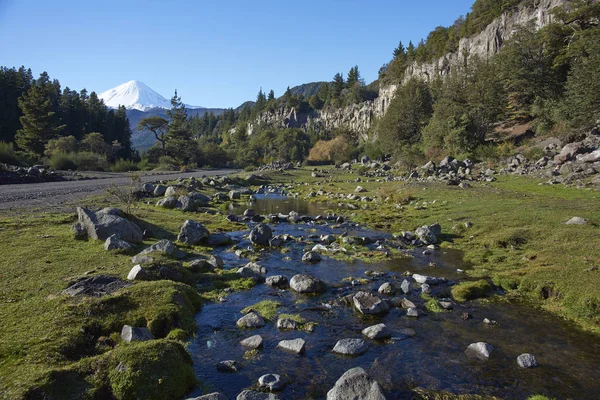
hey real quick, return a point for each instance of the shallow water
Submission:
(433, 359)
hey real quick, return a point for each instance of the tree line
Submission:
(42, 120)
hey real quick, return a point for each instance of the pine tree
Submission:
(39, 122)
(399, 51)
(158, 126)
(180, 145)
(337, 86)
(271, 96)
(261, 101)
(353, 77)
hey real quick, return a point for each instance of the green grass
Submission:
(266, 308)
(471, 290)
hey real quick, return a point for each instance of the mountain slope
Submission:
(135, 95)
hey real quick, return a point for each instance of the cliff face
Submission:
(488, 42)
(359, 117)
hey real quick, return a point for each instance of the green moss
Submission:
(178, 334)
(538, 397)
(432, 305)
(471, 290)
(266, 308)
(424, 394)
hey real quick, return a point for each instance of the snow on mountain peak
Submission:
(135, 95)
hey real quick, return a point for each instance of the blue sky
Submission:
(218, 53)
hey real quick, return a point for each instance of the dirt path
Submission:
(52, 194)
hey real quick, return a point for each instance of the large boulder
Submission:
(303, 283)
(108, 222)
(167, 202)
(261, 234)
(192, 232)
(568, 153)
(369, 304)
(356, 384)
(429, 234)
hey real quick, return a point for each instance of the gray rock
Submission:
(187, 204)
(200, 264)
(201, 200)
(96, 286)
(406, 304)
(252, 395)
(351, 347)
(216, 261)
(251, 320)
(79, 231)
(479, 350)
(360, 189)
(387, 288)
(412, 312)
(170, 274)
(376, 332)
(253, 342)
(219, 239)
(295, 346)
(210, 396)
(427, 279)
(576, 221)
(446, 305)
(172, 191)
(234, 195)
(286, 323)
(192, 232)
(303, 283)
(261, 234)
(526, 361)
(108, 222)
(311, 257)
(228, 366)
(114, 243)
(405, 287)
(273, 382)
(164, 246)
(137, 273)
(135, 334)
(160, 190)
(356, 384)
(429, 234)
(148, 188)
(141, 259)
(249, 212)
(425, 288)
(277, 281)
(369, 304)
(167, 202)
(568, 152)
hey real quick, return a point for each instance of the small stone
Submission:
(376, 332)
(405, 286)
(228, 366)
(526, 361)
(273, 382)
(286, 323)
(576, 221)
(303, 283)
(135, 334)
(366, 303)
(412, 312)
(253, 342)
(311, 257)
(277, 281)
(137, 273)
(295, 346)
(114, 243)
(425, 288)
(406, 303)
(211, 396)
(251, 320)
(446, 305)
(387, 288)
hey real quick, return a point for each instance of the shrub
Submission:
(336, 150)
(88, 161)
(145, 165)
(7, 154)
(122, 165)
(471, 290)
(167, 163)
(62, 161)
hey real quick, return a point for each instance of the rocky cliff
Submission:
(488, 42)
(359, 117)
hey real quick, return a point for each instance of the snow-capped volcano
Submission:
(135, 95)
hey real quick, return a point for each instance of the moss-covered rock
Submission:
(471, 290)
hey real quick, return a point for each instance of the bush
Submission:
(62, 161)
(167, 163)
(471, 290)
(145, 165)
(88, 161)
(122, 165)
(7, 154)
(336, 150)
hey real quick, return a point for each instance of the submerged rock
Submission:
(376, 332)
(479, 350)
(295, 346)
(273, 382)
(228, 366)
(351, 347)
(526, 361)
(252, 395)
(251, 320)
(277, 281)
(356, 384)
